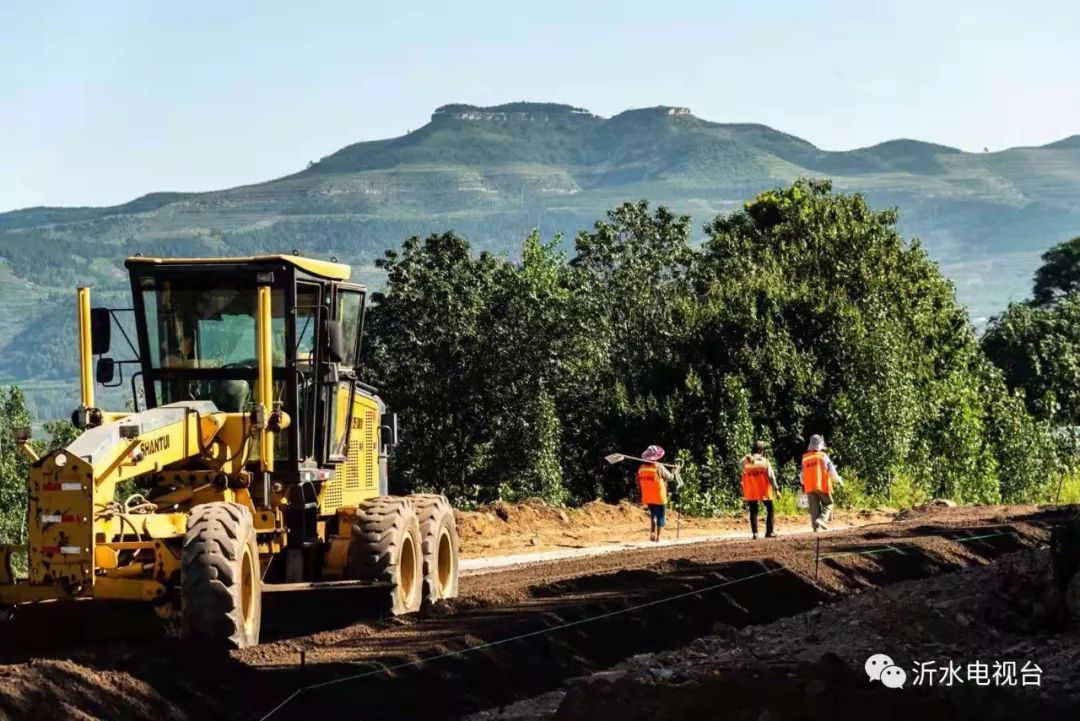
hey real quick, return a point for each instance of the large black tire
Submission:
(221, 577)
(439, 543)
(385, 548)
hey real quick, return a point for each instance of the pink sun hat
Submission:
(653, 453)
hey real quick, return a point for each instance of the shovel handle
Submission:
(635, 458)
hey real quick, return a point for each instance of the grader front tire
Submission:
(385, 548)
(439, 542)
(220, 583)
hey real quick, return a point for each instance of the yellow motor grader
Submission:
(257, 462)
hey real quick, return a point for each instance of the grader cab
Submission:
(254, 460)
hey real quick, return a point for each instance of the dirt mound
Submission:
(500, 527)
(54, 689)
(533, 515)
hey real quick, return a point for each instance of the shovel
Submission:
(620, 457)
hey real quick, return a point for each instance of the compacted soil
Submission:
(527, 632)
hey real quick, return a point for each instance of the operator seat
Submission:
(232, 396)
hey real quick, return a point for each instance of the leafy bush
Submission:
(1068, 491)
(905, 493)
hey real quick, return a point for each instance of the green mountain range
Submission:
(495, 173)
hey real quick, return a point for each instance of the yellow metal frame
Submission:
(323, 268)
(86, 356)
(98, 573)
(265, 395)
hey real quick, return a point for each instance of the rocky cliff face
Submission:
(511, 111)
(537, 111)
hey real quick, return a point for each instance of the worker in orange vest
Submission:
(653, 478)
(759, 486)
(818, 477)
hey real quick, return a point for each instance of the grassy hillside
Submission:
(496, 173)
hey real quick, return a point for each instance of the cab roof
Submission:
(323, 268)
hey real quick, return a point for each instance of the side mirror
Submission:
(100, 330)
(335, 341)
(388, 427)
(106, 371)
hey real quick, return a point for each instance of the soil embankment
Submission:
(512, 634)
(503, 528)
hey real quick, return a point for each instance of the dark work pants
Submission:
(768, 516)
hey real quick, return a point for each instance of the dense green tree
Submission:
(424, 343)
(1027, 459)
(1060, 272)
(1038, 350)
(838, 326)
(631, 286)
(14, 467)
(1037, 347)
(804, 312)
(61, 434)
(477, 354)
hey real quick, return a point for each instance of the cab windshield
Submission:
(203, 328)
(192, 328)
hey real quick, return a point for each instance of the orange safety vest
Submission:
(815, 474)
(755, 479)
(653, 488)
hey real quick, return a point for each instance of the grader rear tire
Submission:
(385, 548)
(221, 590)
(439, 543)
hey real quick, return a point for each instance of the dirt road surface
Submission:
(512, 635)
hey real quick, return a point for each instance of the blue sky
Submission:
(103, 101)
